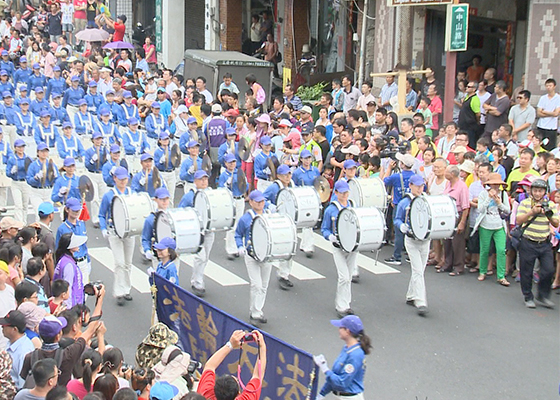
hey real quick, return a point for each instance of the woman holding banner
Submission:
(346, 379)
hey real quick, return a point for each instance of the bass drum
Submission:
(273, 237)
(216, 208)
(368, 192)
(433, 217)
(301, 204)
(128, 213)
(360, 229)
(182, 224)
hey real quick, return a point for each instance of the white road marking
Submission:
(301, 272)
(216, 272)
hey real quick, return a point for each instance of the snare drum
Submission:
(216, 209)
(360, 229)
(182, 224)
(433, 217)
(273, 237)
(301, 204)
(368, 192)
(129, 212)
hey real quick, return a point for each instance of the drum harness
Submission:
(26, 125)
(333, 219)
(88, 123)
(49, 135)
(73, 148)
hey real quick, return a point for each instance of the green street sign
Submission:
(457, 27)
(158, 25)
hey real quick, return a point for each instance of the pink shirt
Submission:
(436, 107)
(460, 192)
(152, 58)
(50, 62)
(80, 14)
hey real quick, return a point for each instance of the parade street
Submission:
(479, 341)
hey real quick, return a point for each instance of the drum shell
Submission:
(216, 208)
(360, 229)
(433, 217)
(301, 204)
(128, 213)
(368, 192)
(273, 237)
(182, 224)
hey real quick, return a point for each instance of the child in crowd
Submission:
(59, 289)
(482, 147)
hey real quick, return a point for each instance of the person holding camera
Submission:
(67, 267)
(534, 215)
(226, 387)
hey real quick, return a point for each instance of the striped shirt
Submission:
(539, 229)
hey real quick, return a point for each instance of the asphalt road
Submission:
(478, 341)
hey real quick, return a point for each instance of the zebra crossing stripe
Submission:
(216, 272)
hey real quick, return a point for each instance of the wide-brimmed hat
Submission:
(495, 179)
(467, 166)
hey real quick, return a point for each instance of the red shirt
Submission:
(436, 107)
(80, 14)
(119, 32)
(206, 387)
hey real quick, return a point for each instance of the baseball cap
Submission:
(161, 193)
(4, 52)
(341, 186)
(265, 141)
(36, 66)
(23, 59)
(192, 143)
(56, 68)
(66, 124)
(163, 391)
(229, 158)
(416, 180)
(42, 146)
(73, 204)
(92, 83)
(349, 164)
(9, 222)
(39, 89)
(82, 102)
(351, 322)
(192, 120)
(230, 131)
(285, 122)
(256, 195)
(132, 121)
(406, 159)
(76, 241)
(75, 79)
(459, 149)
(217, 109)
(56, 95)
(46, 208)
(19, 143)
(120, 173)
(283, 170)
(163, 135)
(307, 129)
(51, 326)
(352, 149)
(45, 114)
(155, 104)
(161, 90)
(232, 112)
(25, 100)
(6, 93)
(110, 91)
(263, 118)
(166, 243)
(96, 135)
(306, 109)
(305, 153)
(146, 156)
(200, 174)
(115, 148)
(104, 111)
(68, 161)
(14, 318)
(3, 72)
(127, 94)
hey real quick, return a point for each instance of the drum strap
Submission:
(159, 126)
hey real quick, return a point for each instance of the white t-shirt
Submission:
(548, 104)
(483, 99)
(7, 304)
(67, 13)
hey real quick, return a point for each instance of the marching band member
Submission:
(127, 110)
(111, 164)
(166, 255)
(111, 104)
(38, 179)
(190, 165)
(418, 250)
(5, 84)
(201, 258)
(283, 180)
(25, 125)
(143, 181)
(66, 185)
(134, 141)
(72, 224)
(229, 179)
(123, 249)
(187, 135)
(343, 261)
(162, 157)
(68, 144)
(22, 74)
(161, 198)
(72, 96)
(16, 169)
(55, 85)
(349, 169)
(22, 95)
(155, 123)
(10, 109)
(93, 99)
(262, 171)
(229, 147)
(45, 132)
(83, 120)
(36, 79)
(60, 115)
(95, 158)
(108, 129)
(40, 104)
(259, 272)
(5, 154)
(305, 175)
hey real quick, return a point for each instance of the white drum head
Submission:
(119, 216)
(163, 226)
(287, 203)
(420, 217)
(260, 238)
(355, 192)
(348, 229)
(202, 205)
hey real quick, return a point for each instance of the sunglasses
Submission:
(471, 87)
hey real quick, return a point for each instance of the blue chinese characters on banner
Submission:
(202, 328)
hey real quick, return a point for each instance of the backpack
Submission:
(29, 380)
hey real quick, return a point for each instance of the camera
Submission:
(391, 149)
(249, 337)
(193, 366)
(125, 367)
(548, 212)
(92, 287)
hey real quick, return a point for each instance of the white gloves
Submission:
(14, 170)
(113, 169)
(149, 255)
(94, 157)
(272, 208)
(191, 170)
(143, 181)
(63, 190)
(161, 160)
(266, 171)
(150, 271)
(105, 234)
(319, 397)
(321, 362)
(241, 251)
(229, 180)
(333, 238)
(39, 175)
(404, 228)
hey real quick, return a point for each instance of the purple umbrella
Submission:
(119, 45)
